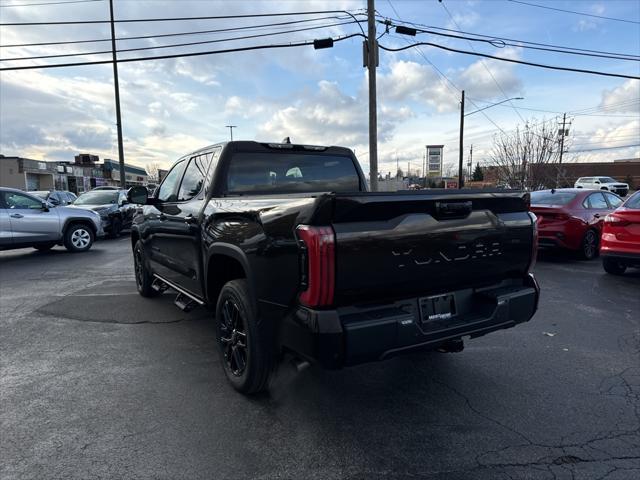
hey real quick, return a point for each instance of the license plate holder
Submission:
(437, 307)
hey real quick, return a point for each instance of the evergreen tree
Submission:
(478, 176)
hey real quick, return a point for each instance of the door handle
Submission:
(597, 215)
(16, 215)
(190, 219)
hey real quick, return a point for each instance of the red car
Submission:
(572, 218)
(620, 247)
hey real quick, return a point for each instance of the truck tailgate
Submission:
(393, 245)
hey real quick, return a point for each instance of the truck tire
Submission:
(78, 237)
(244, 342)
(613, 267)
(589, 245)
(144, 279)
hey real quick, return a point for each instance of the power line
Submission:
(162, 35)
(245, 37)
(605, 148)
(443, 76)
(485, 65)
(574, 12)
(522, 62)
(172, 19)
(499, 43)
(49, 3)
(518, 41)
(179, 55)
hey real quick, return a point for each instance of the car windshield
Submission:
(100, 197)
(606, 180)
(551, 198)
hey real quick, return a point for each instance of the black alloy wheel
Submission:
(245, 341)
(144, 279)
(589, 247)
(233, 338)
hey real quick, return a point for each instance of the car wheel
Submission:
(116, 227)
(613, 267)
(78, 238)
(45, 247)
(589, 245)
(144, 279)
(244, 342)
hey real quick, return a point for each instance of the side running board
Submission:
(185, 301)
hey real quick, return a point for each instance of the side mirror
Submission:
(45, 206)
(138, 195)
(597, 182)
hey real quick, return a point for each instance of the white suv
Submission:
(603, 183)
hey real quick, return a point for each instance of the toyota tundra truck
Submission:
(299, 260)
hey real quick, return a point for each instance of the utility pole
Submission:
(564, 121)
(231, 127)
(372, 60)
(563, 134)
(470, 162)
(116, 85)
(461, 148)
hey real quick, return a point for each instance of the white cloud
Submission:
(481, 78)
(329, 116)
(624, 98)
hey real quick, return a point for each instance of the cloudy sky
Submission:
(173, 106)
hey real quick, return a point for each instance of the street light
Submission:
(462, 115)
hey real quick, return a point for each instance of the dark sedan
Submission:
(572, 218)
(112, 205)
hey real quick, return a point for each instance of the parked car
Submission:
(27, 220)
(296, 256)
(113, 207)
(56, 197)
(603, 183)
(572, 218)
(620, 247)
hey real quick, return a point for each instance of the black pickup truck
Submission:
(297, 257)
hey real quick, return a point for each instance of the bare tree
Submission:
(527, 158)
(153, 170)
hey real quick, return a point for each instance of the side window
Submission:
(614, 201)
(597, 201)
(19, 201)
(194, 177)
(167, 191)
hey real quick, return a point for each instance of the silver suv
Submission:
(29, 221)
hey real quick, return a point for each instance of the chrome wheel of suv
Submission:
(78, 238)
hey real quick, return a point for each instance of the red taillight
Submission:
(534, 243)
(318, 265)
(616, 221)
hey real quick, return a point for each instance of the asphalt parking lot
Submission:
(97, 382)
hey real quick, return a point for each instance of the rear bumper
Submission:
(630, 259)
(352, 335)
